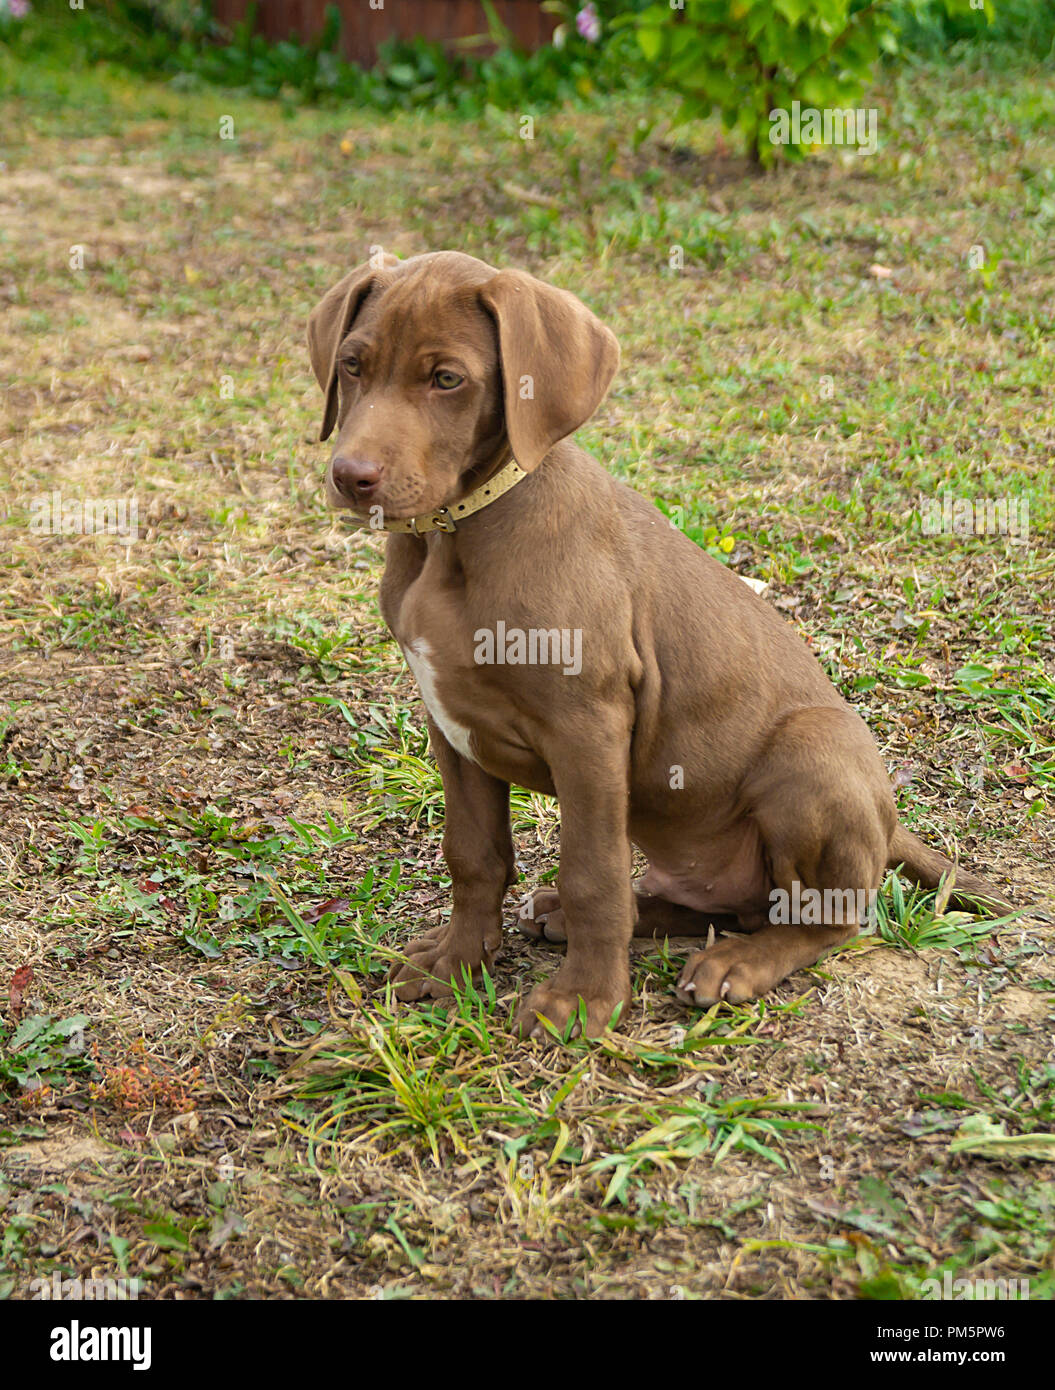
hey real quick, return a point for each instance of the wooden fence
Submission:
(363, 28)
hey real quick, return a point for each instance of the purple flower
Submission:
(18, 9)
(588, 23)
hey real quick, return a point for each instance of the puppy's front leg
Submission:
(596, 894)
(478, 848)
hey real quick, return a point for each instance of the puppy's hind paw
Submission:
(541, 918)
(733, 970)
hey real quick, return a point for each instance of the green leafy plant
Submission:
(932, 29)
(42, 1051)
(180, 39)
(748, 59)
(711, 1126)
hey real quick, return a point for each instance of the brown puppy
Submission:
(565, 637)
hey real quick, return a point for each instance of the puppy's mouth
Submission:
(379, 501)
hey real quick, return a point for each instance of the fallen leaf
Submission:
(222, 1228)
(330, 905)
(759, 585)
(20, 982)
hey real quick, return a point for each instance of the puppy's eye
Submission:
(447, 381)
(351, 366)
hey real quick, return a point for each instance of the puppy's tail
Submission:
(927, 867)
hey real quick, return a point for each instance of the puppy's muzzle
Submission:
(356, 479)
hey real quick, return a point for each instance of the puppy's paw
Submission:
(541, 917)
(433, 960)
(559, 1004)
(734, 969)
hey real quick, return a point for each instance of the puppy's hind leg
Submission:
(823, 804)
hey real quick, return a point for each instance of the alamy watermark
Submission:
(77, 1343)
(947, 515)
(535, 646)
(949, 1289)
(54, 515)
(59, 1289)
(834, 125)
(822, 907)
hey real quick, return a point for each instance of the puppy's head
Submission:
(436, 368)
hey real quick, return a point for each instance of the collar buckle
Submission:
(439, 520)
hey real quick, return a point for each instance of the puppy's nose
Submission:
(354, 478)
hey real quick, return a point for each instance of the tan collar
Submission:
(444, 518)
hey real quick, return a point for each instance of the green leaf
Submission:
(792, 10)
(28, 1030)
(166, 1234)
(651, 42)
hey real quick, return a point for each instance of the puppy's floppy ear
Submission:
(329, 323)
(558, 360)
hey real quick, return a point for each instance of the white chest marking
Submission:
(419, 659)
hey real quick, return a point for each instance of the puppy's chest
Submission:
(423, 659)
(478, 705)
(428, 628)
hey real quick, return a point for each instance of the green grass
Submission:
(437, 1078)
